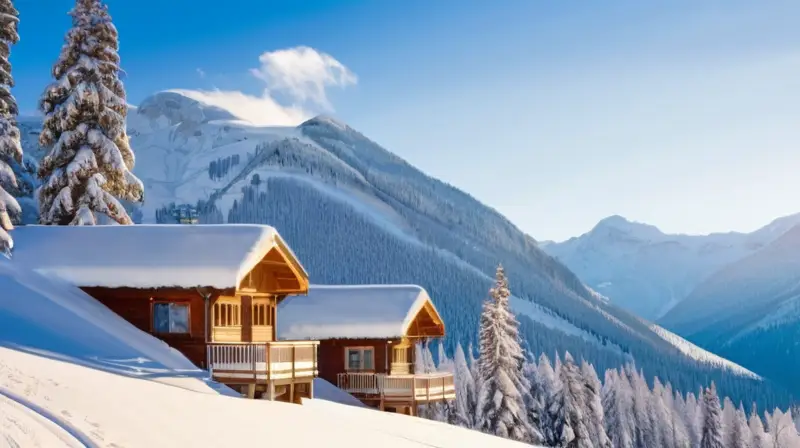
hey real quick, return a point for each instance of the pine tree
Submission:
(758, 437)
(466, 393)
(618, 409)
(594, 406)
(550, 387)
(693, 419)
(570, 423)
(10, 148)
(89, 161)
(712, 419)
(740, 436)
(501, 403)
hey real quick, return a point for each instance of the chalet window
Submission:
(263, 313)
(227, 314)
(171, 318)
(360, 358)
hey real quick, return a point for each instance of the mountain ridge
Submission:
(356, 213)
(647, 271)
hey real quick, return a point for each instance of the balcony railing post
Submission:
(294, 359)
(268, 348)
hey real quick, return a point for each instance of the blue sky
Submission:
(679, 113)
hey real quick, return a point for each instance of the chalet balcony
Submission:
(262, 362)
(410, 388)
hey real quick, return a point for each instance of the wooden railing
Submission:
(262, 361)
(420, 388)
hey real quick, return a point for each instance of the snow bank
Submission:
(358, 311)
(52, 318)
(145, 256)
(324, 390)
(115, 410)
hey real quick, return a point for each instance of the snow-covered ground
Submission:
(73, 374)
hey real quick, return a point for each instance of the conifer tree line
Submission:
(563, 402)
(87, 170)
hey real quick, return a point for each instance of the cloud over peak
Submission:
(301, 75)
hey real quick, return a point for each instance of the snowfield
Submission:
(73, 374)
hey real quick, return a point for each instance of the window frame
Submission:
(361, 350)
(230, 304)
(183, 303)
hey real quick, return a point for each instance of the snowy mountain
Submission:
(749, 311)
(74, 374)
(357, 214)
(647, 271)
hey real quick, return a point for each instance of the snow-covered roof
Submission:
(146, 256)
(356, 312)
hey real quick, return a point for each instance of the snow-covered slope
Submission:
(750, 311)
(357, 214)
(73, 374)
(647, 271)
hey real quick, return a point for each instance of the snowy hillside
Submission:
(749, 311)
(647, 271)
(73, 374)
(357, 214)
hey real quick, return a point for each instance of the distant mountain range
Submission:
(647, 271)
(355, 214)
(735, 294)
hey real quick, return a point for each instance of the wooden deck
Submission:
(281, 362)
(399, 389)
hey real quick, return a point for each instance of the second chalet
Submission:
(210, 291)
(367, 338)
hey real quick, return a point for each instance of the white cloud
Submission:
(259, 110)
(301, 74)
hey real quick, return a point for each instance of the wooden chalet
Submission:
(367, 340)
(210, 291)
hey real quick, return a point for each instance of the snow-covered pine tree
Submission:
(445, 363)
(87, 169)
(728, 415)
(712, 419)
(592, 389)
(466, 394)
(781, 430)
(549, 384)
(675, 406)
(693, 419)
(644, 435)
(10, 148)
(570, 423)
(537, 396)
(618, 409)
(758, 437)
(660, 416)
(501, 403)
(739, 432)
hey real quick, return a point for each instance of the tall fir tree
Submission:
(758, 437)
(503, 386)
(595, 419)
(740, 436)
(550, 387)
(87, 169)
(10, 147)
(618, 409)
(466, 393)
(712, 419)
(571, 424)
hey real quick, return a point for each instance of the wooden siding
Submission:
(136, 306)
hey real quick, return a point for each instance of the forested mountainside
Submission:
(356, 213)
(750, 311)
(646, 271)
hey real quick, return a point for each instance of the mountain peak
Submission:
(326, 120)
(621, 223)
(182, 106)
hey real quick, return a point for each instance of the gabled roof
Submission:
(354, 312)
(146, 256)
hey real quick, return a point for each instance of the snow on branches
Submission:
(88, 166)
